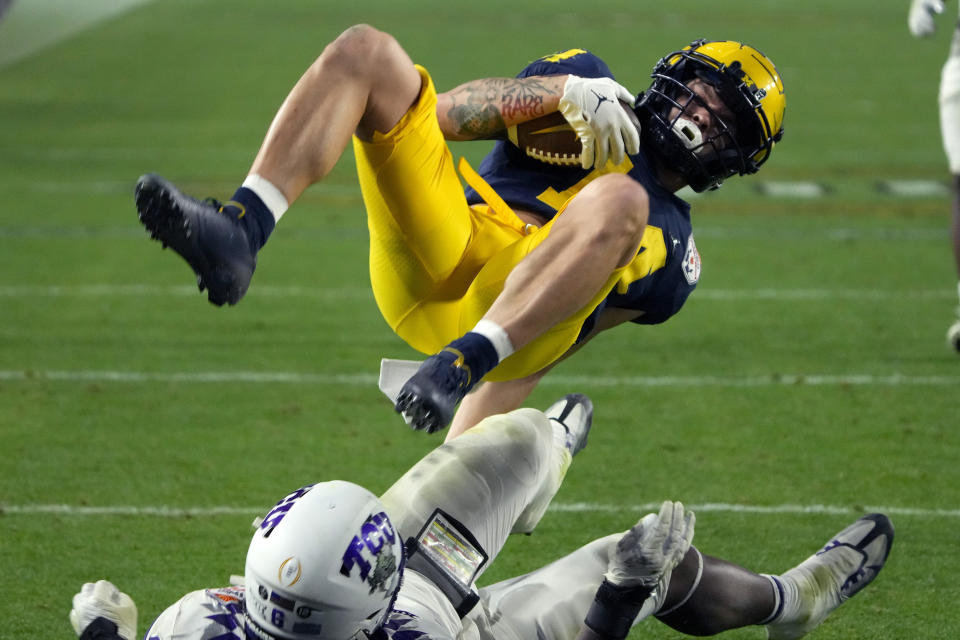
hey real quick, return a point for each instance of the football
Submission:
(551, 139)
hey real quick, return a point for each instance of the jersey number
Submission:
(555, 199)
(653, 251)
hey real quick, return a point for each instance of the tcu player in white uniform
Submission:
(333, 562)
(922, 25)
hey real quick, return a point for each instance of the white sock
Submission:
(272, 197)
(778, 598)
(798, 589)
(497, 336)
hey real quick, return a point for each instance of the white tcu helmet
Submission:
(324, 564)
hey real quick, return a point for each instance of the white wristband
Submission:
(496, 335)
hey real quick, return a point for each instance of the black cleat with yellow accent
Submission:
(213, 242)
(430, 397)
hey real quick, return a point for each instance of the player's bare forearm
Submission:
(483, 109)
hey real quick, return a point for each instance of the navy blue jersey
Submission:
(658, 289)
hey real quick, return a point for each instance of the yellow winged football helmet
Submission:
(750, 87)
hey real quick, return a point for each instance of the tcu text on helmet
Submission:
(375, 534)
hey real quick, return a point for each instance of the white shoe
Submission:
(575, 412)
(825, 580)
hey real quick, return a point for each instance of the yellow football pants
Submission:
(436, 263)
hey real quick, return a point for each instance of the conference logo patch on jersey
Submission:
(691, 262)
(371, 552)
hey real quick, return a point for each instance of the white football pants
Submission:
(496, 478)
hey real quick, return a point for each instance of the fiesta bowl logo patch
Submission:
(691, 263)
(290, 571)
(371, 552)
(227, 595)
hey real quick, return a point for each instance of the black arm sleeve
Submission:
(614, 609)
(101, 629)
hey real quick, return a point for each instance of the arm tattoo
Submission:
(482, 107)
(476, 120)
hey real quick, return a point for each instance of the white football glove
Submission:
(103, 600)
(652, 547)
(921, 15)
(592, 107)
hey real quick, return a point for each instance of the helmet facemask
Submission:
(739, 138)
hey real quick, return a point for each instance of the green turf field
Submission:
(806, 382)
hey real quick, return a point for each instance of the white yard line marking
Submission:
(721, 507)
(899, 188)
(792, 189)
(822, 294)
(362, 379)
(284, 377)
(573, 507)
(915, 188)
(739, 233)
(362, 292)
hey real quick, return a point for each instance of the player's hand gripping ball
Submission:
(595, 122)
(551, 139)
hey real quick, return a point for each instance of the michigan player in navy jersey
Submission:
(331, 561)
(529, 185)
(665, 271)
(498, 286)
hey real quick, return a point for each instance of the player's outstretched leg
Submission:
(574, 412)
(210, 237)
(821, 583)
(571, 417)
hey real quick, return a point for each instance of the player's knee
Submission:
(524, 434)
(620, 201)
(349, 45)
(618, 209)
(362, 50)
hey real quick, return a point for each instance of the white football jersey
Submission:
(421, 613)
(489, 495)
(202, 615)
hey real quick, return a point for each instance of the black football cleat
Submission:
(213, 243)
(430, 397)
